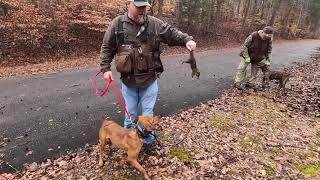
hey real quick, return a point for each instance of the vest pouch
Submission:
(123, 60)
(157, 64)
(141, 60)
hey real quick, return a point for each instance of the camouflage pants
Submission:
(242, 68)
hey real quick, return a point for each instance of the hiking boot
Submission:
(239, 86)
(250, 85)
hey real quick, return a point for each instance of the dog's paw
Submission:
(147, 177)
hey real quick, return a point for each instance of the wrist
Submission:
(103, 70)
(189, 38)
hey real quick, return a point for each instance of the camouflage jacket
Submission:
(256, 48)
(158, 31)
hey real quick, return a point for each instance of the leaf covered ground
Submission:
(241, 135)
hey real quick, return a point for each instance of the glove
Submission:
(267, 62)
(247, 60)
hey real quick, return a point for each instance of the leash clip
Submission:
(140, 50)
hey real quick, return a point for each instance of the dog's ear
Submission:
(146, 122)
(142, 119)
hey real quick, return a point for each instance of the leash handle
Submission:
(118, 94)
(96, 86)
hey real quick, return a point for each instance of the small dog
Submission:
(280, 76)
(129, 140)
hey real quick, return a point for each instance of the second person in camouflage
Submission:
(256, 51)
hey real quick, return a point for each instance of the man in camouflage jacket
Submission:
(256, 51)
(134, 38)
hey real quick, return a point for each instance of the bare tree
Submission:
(217, 15)
(4, 8)
(275, 8)
(160, 6)
(246, 12)
(238, 7)
(204, 16)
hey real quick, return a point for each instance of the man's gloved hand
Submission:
(267, 62)
(247, 60)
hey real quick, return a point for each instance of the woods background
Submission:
(41, 28)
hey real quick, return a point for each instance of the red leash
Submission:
(106, 89)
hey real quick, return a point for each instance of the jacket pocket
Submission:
(123, 62)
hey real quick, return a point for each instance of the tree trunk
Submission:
(152, 3)
(217, 14)
(262, 8)
(299, 18)
(285, 29)
(246, 12)
(238, 8)
(275, 9)
(160, 6)
(210, 15)
(256, 5)
(178, 11)
(4, 8)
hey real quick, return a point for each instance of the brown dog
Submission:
(280, 76)
(126, 139)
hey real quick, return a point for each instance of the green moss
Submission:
(245, 143)
(256, 114)
(262, 101)
(255, 99)
(127, 177)
(232, 173)
(283, 124)
(165, 139)
(162, 138)
(314, 147)
(275, 150)
(220, 122)
(267, 171)
(270, 170)
(280, 107)
(182, 155)
(250, 142)
(311, 170)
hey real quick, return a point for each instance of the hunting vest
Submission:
(138, 54)
(258, 48)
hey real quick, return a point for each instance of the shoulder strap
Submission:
(119, 32)
(120, 24)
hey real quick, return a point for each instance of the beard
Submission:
(141, 18)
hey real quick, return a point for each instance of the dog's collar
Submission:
(142, 133)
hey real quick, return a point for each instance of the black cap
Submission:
(140, 3)
(268, 30)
